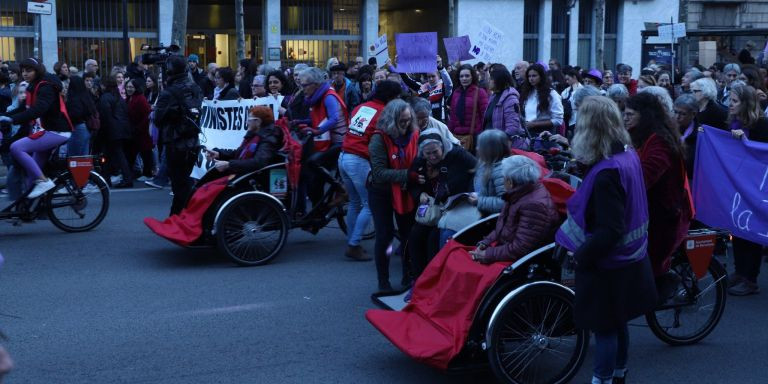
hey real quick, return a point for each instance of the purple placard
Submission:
(416, 52)
(730, 184)
(458, 48)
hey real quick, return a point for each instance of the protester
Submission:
(731, 72)
(138, 116)
(578, 97)
(16, 175)
(354, 165)
(246, 71)
(258, 87)
(542, 106)
(366, 86)
(614, 280)
(592, 77)
(425, 120)
(685, 111)
(751, 76)
(117, 131)
(80, 107)
(746, 122)
(607, 79)
(151, 89)
(468, 102)
(624, 75)
(688, 78)
(709, 111)
(663, 96)
(180, 99)
(437, 89)
(44, 112)
(196, 73)
(664, 80)
(619, 94)
(447, 171)
(279, 87)
(492, 148)
(573, 82)
(661, 153)
(259, 147)
(503, 110)
(520, 68)
(528, 219)
(225, 85)
(344, 87)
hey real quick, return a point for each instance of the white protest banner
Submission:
(223, 125)
(379, 50)
(487, 43)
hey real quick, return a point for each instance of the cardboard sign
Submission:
(458, 48)
(379, 50)
(487, 43)
(416, 52)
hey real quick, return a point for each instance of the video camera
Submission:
(159, 54)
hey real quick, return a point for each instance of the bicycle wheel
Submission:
(695, 309)
(533, 339)
(74, 209)
(252, 229)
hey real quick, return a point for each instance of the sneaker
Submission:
(357, 253)
(744, 288)
(116, 179)
(143, 178)
(152, 184)
(171, 193)
(41, 187)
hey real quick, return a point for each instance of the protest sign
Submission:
(379, 50)
(458, 48)
(416, 52)
(223, 125)
(487, 43)
(730, 184)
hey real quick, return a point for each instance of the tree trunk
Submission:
(179, 31)
(600, 34)
(240, 29)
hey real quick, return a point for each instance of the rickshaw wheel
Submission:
(532, 337)
(252, 229)
(697, 306)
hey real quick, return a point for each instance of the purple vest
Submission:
(632, 247)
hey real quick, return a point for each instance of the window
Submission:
(531, 31)
(716, 15)
(559, 25)
(585, 32)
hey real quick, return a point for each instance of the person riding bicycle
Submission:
(46, 114)
(329, 122)
(259, 148)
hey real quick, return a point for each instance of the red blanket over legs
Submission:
(434, 326)
(186, 227)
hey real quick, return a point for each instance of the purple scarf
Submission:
(315, 97)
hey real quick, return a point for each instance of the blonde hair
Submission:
(749, 109)
(599, 125)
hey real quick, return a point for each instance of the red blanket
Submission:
(186, 227)
(434, 326)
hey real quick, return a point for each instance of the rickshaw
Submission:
(523, 327)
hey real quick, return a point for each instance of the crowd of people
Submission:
(424, 154)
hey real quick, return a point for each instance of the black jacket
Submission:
(46, 106)
(456, 175)
(113, 115)
(168, 109)
(228, 93)
(713, 115)
(245, 87)
(79, 109)
(759, 131)
(270, 142)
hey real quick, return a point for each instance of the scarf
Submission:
(315, 97)
(462, 105)
(401, 142)
(687, 132)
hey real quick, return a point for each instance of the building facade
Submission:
(291, 31)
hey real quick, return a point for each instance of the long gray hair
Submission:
(388, 120)
(492, 147)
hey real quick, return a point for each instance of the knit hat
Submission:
(193, 58)
(595, 75)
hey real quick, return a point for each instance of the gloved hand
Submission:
(5, 120)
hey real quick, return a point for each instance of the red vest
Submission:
(402, 201)
(361, 128)
(318, 114)
(31, 96)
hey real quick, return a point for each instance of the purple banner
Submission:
(416, 52)
(458, 48)
(730, 184)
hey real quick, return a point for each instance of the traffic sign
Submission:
(39, 8)
(668, 31)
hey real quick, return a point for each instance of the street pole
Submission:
(672, 43)
(240, 29)
(126, 42)
(600, 34)
(36, 48)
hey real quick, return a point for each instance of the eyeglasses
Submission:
(695, 90)
(304, 85)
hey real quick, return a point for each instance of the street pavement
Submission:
(121, 305)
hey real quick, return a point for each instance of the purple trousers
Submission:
(32, 154)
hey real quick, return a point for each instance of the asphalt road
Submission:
(120, 305)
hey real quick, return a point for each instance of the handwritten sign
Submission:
(730, 184)
(416, 52)
(223, 125)
(458, 48)
(379, 50)
(486, 44)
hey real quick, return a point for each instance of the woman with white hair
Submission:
(528, 219)
(731, 72)
(663, 95)
(447, 171)
(710, 112)
(605, 230)
(619, 94)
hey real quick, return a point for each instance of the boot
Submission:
(357, 253)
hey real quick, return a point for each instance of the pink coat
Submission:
(454, 125)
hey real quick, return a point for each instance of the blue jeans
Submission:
(354, 173)
(161, 178)
(14, 181)
(79, 142)
(611, 352)
(444, 235)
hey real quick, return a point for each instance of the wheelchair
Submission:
(523, 327)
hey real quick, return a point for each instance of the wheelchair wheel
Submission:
(695, 309)
(252, 229)
(532, 337)
(73, 209)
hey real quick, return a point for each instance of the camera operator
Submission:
(175, 115)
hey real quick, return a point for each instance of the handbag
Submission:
(468, 141)
(458, 213)
(429, 213)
